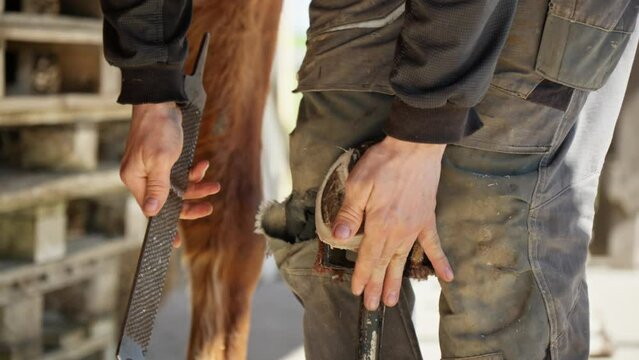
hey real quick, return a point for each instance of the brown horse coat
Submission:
(223, 254)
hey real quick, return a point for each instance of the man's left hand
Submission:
(394, 186)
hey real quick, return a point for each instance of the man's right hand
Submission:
(153, 146)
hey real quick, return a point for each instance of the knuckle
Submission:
(156, 185)
(403, 251)
(375, 287)
(349, 214)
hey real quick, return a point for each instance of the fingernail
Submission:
(342, 232)
(358, 290)
(372, 303)
(448, 273)
(391, 298)
(151, 205)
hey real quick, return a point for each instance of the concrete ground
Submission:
(277, 318)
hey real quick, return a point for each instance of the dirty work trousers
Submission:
(515, 226)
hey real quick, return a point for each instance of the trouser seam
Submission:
(533, 240)
(563, 191)
(533, 244)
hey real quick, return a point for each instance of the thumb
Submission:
(158, 184)
(351, 214)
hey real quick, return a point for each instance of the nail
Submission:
(151, 205)
(342, 232)
(391, 298)
(372, 303)
(448, 274)
(358, 290)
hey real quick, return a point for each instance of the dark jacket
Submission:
(438, 57)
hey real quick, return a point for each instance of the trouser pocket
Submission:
(351, 45)
(583, 41)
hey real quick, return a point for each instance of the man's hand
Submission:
(153, 146)
(394, 185)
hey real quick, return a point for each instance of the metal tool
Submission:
(161, 229)
(371, 323)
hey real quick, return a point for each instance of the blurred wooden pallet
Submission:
(66, 221)
(51, 65)
(68, 265)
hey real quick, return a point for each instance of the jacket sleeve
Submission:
(146, 39)
(444, 61)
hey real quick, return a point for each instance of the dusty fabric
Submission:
(494, 305)
(147, 41)
(331, 311)
(573, 43)
(514, 216)
(515, 203)
(437, 57)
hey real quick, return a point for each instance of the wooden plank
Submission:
(82, 8)
(100, 340)
(35, 235)
(100, 297)
(3, 45)
(50, 69)
(71, 101)
(50, 29)
(63, 108)
(60, 330)
(102, 214)
(85, 260)
(41, 6)
(106, 329)
(21, 328)
(110, 80)
(135, 221)
(23, 189)
(86, 348)
(55, 116)
(64, 147)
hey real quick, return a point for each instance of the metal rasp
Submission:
(153, 262)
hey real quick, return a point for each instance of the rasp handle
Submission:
(371, 328)
(153, 262)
